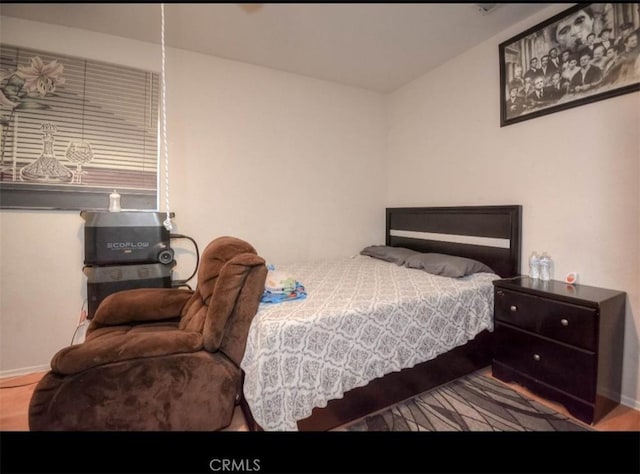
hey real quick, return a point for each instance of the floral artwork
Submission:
(72, 124)
(38, 78)
(35, 80)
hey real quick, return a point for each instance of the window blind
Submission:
(112, 108)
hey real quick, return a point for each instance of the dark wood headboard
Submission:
(489, 234)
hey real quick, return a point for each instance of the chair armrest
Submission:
(224, 299)
(122, 345)
(141, 305)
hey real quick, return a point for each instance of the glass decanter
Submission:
(47, 168)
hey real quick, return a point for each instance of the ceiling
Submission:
(376, 46)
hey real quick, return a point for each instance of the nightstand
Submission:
(563, 342)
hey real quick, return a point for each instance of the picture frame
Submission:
(73, 130)
(584, 54)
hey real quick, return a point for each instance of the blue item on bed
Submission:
(280, 286)
(278, 297)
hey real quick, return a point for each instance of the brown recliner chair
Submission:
(161, 359)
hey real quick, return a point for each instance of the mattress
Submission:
(363, 318)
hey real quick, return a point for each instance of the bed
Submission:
(372, 333)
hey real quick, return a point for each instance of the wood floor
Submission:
(15, 394)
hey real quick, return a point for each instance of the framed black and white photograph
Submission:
(73, 130)
(585, 54)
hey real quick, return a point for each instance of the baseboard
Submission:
(624, 400)
(24, 371)
(630, 402)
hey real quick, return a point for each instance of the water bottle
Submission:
(545, 267)
(534, 266)
(114, 201)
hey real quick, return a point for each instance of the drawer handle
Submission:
(513, 308)
(536, 357)
(564, 322)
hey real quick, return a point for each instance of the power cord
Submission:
(81, 321)
(179, 283)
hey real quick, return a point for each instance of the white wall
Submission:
(291, 164)
(575, 172)
(297, 167)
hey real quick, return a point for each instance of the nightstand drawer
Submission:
(564, 322)
(568, 369)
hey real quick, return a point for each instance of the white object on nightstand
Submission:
(545, 267)
(534, 266)
(571, 278)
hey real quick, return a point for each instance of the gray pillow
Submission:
(446, 265)
(397, 255)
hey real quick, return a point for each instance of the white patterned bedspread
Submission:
(363, 318)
